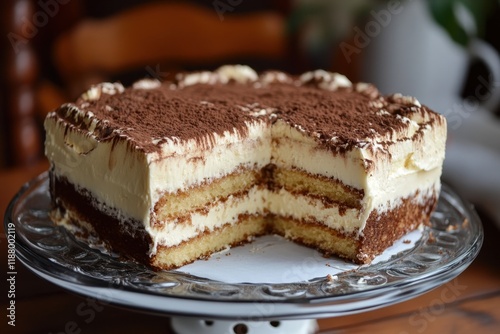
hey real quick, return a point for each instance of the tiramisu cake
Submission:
(169, 173)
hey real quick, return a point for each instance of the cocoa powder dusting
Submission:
(338, 119)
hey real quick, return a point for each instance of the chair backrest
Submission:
(20, 133)
(29, 27)
(166, 32)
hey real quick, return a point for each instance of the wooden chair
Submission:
(20, 134)
(176, 34)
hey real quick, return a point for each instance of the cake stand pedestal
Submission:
(187, 325)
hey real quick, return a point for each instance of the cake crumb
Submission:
(407, 241)
(331, 278)
(451, 228)
(465, 223)
(432, 238)
(227, 254)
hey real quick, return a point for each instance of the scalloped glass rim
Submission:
(446, 248)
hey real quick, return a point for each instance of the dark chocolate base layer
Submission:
(108, 228)
(382, 230)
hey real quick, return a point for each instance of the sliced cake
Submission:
(168, 173)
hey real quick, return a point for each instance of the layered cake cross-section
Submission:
(169, 173)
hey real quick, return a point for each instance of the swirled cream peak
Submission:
(326, 80)
(224, 74)
(238, 73)
(95, 92)
(146, 84)
(276, 77)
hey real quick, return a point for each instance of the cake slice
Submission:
(169, 173)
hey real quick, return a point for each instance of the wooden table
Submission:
(468, 304)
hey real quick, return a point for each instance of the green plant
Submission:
(321, 24)
(462, 19)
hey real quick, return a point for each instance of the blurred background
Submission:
(444, 52)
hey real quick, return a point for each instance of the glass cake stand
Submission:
(269, 282)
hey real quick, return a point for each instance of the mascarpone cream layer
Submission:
(132, 181)
(112, 173)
